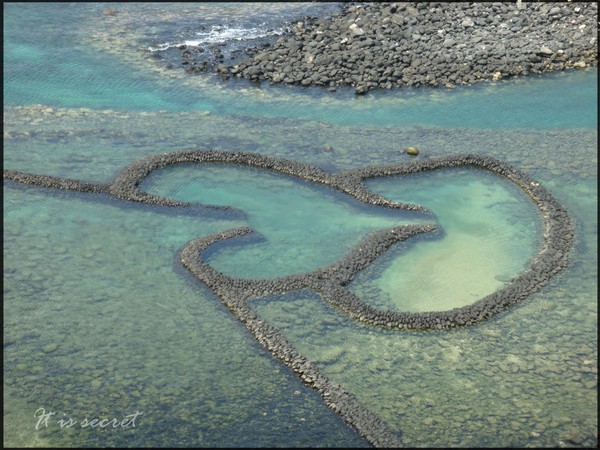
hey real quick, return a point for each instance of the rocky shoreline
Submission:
(438, 44)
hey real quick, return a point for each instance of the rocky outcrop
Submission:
(390, 45)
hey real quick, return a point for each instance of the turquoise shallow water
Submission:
(101, 321)
(303, 226)
(80, 78)
(490, 235)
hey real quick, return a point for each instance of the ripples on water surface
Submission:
(101, 321)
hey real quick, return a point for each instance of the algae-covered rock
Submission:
(50, 348)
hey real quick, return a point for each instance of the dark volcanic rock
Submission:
(385, 45)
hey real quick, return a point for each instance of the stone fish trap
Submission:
(329, 282)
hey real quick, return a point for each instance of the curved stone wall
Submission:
(330, 281)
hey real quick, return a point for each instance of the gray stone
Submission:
(355, 30)
(554, 11)
(361, 89)
(448, 42)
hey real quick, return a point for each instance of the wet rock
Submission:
(361, 89)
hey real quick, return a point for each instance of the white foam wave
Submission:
(161, 47)
(221, 34)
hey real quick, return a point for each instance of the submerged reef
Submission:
(330, 281)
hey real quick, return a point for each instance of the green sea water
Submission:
(101, 321)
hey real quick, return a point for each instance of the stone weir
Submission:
(330, 282)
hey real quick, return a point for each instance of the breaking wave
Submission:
(221, 34)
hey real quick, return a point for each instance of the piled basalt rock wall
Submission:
(330, 282)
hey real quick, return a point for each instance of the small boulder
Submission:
(355, 30)
(554, 11)
(361, 89)
(412, 151)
